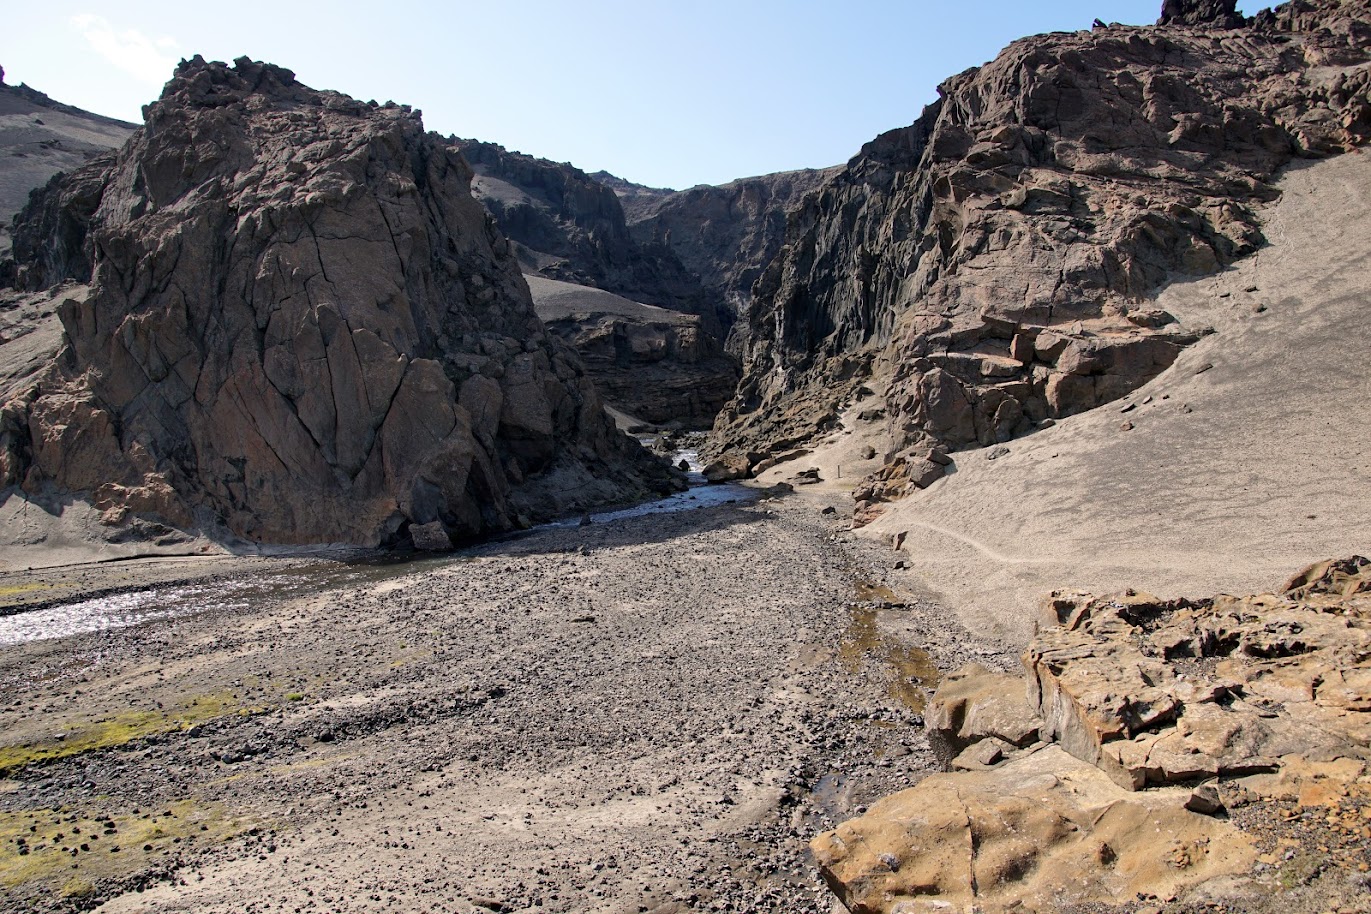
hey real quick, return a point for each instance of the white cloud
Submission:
(150, 60)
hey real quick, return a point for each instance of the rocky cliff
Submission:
(653, 365)
(988, 269)
(569, 228)
(302, 325)
(725, 235)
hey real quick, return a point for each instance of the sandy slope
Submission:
(557, 300)
(1230, 477)
(36, 142)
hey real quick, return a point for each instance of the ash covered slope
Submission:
(989, 267)
(300, 323)
(40, 137)
(571, 228)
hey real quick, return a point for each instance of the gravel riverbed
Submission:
(650, 715)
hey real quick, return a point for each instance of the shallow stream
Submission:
(122, 610)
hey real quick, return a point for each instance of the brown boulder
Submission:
(973, 703)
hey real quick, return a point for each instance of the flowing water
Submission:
(121, 610)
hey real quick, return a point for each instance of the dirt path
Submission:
(654, 715)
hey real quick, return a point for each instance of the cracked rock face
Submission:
(988, 268)
(1161, 692)
(302, 325)
(1204, 13)
(725, 235)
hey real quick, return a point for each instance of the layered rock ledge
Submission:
(1121, 767)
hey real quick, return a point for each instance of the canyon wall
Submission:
(988, 269)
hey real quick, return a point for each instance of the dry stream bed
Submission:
(651, 714)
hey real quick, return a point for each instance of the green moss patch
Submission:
(116, 731)
(68, 852)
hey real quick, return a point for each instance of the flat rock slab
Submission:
(1045, 831)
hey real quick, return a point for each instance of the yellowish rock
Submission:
(1043, 831)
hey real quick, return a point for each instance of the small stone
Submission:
(1126, 426)
(1205, 800)
(430, 537)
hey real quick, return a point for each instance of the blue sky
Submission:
(663, 94)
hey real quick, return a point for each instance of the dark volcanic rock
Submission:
(40, 137)
(725, 235)
(988, 267)
(1221, 14)
(569, 230)
(570, 227)
(302, 325)
(657, 366)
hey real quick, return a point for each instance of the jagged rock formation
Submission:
(301, 325)
(1159, 692)
(39, 138)
(725, 235)
(656, 366)
(1221, 14)
(571, 228)
(988, 268)
(1269, 693)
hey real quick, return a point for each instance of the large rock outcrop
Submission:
(1158, 692)
(300, 324)
(989, 267)
(1140, 704)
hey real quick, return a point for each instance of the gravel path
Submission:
(653, 715)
